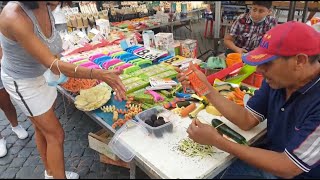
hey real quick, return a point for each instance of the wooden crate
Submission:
(107, 160)
(99, 141)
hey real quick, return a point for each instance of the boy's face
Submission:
(258, 13)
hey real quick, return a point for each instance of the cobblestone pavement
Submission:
(23, 160)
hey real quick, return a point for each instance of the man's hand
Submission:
(184, 79)
(203, 133)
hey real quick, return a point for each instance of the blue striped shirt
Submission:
(293, 125)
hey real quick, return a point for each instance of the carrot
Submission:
(239, 92)
(114, 125)
(188, 109)
(75, 84)
(237, 95)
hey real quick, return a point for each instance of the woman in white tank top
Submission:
(35, 46)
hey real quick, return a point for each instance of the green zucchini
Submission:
(242, 87)
(183, 104)
(226, 130)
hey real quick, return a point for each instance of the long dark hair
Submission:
(30, 4)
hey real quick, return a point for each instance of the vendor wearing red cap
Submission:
(289, 99)
(248, 29)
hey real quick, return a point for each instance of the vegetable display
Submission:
(75, 84)
(93, 98)
(192, 149)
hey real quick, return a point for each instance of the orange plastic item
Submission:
(315, 20)
(233, 58)
(254, 79)
(197, 85)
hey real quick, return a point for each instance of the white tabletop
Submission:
(162, 156)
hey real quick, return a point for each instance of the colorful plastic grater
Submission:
(197, 85)
(156, 97)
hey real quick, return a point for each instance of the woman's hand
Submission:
(111, 77)
(203, 133)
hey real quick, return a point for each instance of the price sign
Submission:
(151, 54)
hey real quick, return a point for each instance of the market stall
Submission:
(146, 69)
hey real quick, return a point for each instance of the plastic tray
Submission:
(125, 153)
(168, 116)
(245, 72)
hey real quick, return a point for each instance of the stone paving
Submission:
(23, 160)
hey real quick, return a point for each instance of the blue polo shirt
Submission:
(293, 125)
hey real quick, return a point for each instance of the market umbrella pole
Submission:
(292, 10)
(305, 11)
(217, 25)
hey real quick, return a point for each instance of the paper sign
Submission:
(75, 10)
(81, 34)
(97, 37)
(95, 31)
(83, 41)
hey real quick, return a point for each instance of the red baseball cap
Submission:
(288, 39)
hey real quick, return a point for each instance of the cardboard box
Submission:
(106, 160)
(164, 41)
(99, 141)
(189, 48)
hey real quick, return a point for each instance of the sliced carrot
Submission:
(188, 109)
(238, 96)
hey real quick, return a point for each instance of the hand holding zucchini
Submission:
(226, 130)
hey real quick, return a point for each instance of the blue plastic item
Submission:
(182, 95)
(165, 58)
(101, 60)
(133, 48)
(128, 59)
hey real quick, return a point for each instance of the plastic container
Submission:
(245, 72)
(169, 118)
(233, 58)
(118, 147)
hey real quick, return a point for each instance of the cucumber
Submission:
(226, 130)
(183, 104)
(242, 87)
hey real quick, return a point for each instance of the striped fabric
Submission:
(247, 34)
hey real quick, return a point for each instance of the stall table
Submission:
(157, 158)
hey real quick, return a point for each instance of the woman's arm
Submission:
(10, 26)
